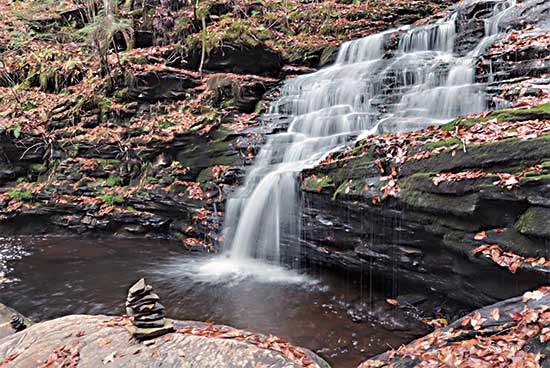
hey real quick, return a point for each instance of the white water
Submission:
(366, 91)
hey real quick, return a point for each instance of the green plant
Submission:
(19, 195)
(111, 200)
(111, 181)
(102, 30)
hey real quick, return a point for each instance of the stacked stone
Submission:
(18, 323)
(144, 306)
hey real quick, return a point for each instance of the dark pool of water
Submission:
(67, 276)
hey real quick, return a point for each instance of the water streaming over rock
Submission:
(371, 88)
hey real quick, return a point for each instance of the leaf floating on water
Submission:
(392, 302)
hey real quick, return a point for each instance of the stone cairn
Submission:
(17, 322)
(149, 315)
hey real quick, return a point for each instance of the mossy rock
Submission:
(535, 222)
(511, 240)
(442, 143)
(321, 185)
(441, 204)
(540, 112)
(205, 175)
(501, 155)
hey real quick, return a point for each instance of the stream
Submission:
(59, 276)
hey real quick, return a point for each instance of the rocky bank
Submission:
(94, 341)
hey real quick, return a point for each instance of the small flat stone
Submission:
(148, 298)
(150, 324)
(149, 317)
(133, 297)
(137, 287)
(149, 308)
(149, 333)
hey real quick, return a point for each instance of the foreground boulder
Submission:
(95, 341)
(512, 333)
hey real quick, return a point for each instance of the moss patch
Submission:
(322, 184)
(540, 112)
(534, 222)
(19, 195)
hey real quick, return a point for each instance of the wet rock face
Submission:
(244, 92)
(95, 341)
(160, 85)
(429, 233)
(240, 59)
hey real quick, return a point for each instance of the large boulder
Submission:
(95, 341)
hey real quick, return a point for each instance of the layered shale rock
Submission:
(428, 206)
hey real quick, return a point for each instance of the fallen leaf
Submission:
(495, 314)
(480, 236)
(105, 342)
(534, 295)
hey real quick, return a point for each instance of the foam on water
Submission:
(223, 270)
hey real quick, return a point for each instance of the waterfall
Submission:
(369, 89)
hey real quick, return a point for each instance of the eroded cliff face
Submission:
(463, 209)
(136, 142)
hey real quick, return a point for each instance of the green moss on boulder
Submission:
(535, 222)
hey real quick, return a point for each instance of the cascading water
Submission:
(368, 90)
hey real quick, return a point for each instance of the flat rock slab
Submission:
(97, 341)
